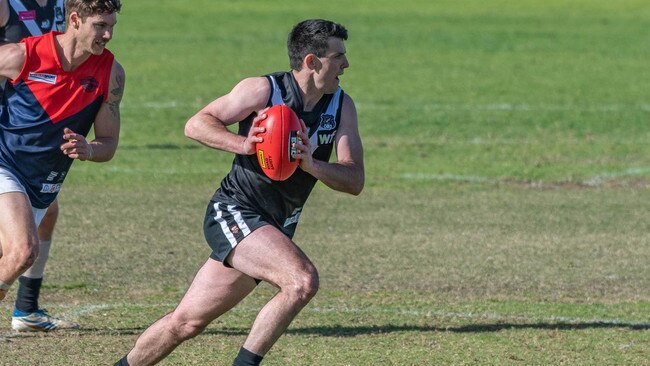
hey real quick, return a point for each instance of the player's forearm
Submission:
(343, 177)
(212, 133)
(102, 149)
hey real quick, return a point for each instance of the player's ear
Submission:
(312, 62)
(74, 20)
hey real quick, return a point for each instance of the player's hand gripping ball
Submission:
(274, 152)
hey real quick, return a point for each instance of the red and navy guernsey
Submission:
(38, 105)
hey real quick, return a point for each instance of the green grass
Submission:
(504, 220)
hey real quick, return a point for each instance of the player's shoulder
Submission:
(13, 49)
(347, 98)
(12, 58)
(254, 83)
(347, 101)
(117, 70)
(348, 109)
(256, 87)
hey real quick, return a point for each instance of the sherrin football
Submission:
(274, 152)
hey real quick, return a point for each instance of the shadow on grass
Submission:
(347, 331)
(353, 331)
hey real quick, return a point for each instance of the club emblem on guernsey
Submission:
(89, 83)
(234, 229)
(327, 122)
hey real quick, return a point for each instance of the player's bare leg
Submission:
(266, 254)
(27, 315)
(214, 290)
(46, 227)
(18, 238)
(269, 255)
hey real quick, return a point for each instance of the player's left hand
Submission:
(76, 146)
(303, 148)
(249, 144)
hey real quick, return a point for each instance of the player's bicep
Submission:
(115, 91)
(107, 122)
(349, 149)
(248, 96)
(12, 58)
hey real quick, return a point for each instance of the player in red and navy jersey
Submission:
(20, 19)
(250, 221)
(56, 86)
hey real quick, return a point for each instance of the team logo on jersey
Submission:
(89, 84)
(42, 77)
(234, 229)
(326, 128)
(327, 122)
(46, 24)
(58, 14)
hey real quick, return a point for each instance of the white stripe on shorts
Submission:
(239, 220)
(224, 225)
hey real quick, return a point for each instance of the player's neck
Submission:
(69, 52)
(41, 3)
(310, 93)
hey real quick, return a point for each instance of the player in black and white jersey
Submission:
(24, 18)
(251, 219)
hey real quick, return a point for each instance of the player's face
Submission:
(333, 64)
(96, 31)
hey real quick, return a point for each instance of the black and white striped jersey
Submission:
(281, 202)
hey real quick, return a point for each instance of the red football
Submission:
(274, 152)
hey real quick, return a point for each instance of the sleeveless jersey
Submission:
(35, 108)
(27, 18)
(280, 202)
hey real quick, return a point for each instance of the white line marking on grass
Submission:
(506, 107)
(606, 176)
(594, 181)
(76, 312)
(138, 171)
(171, 104)
(450, 177)
(93, 308)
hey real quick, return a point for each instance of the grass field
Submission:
(504, 220)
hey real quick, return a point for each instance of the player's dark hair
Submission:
(311, 36)
(87, 8)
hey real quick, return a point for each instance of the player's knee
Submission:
(183, 330)
(23, 256)
(305, 286)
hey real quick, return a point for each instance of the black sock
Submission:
(122, 362)
(28, 291)
(247, 358)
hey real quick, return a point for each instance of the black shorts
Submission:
(226, 225)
